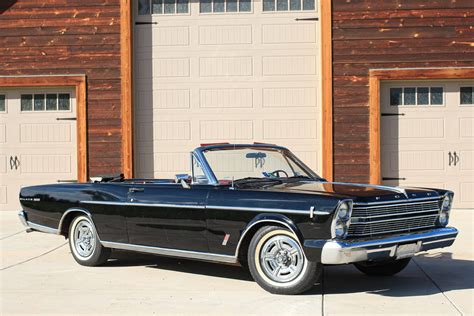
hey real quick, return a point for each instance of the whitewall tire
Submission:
(278, 264)
(85, 244)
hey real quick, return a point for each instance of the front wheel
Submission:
(382, 268)
(84, 243)
(277, 262)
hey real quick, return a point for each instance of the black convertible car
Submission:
(257, 205)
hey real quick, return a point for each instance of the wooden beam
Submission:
(79, 83)
(374, 130)
(126, 86)
(327, 90)
(375, 78)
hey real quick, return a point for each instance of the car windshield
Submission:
(256, 163)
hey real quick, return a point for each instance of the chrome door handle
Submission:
(134, 190)
(456, 159)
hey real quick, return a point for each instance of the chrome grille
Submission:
(370, 220)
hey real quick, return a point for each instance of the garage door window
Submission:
(3, 107)
(288, 5)
(412, 96)
(466, 95)
(146, 7)
(224, 6)
(45, 102)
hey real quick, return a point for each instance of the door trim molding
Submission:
(79, 83)
(378, 75)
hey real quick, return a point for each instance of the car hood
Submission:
(362, 193)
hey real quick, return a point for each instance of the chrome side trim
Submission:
(400, 202)
(211, 207)
(41, 228)
(257, 209)
(144, 204)
(171, 252)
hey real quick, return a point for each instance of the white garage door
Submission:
(37, 140)
(224, 71)
(428, 136)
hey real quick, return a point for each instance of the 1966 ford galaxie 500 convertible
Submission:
(257, 205)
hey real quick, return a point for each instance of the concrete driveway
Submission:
(39, 276)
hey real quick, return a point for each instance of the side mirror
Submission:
(184, 179)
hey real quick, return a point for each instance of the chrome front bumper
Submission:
(349, 251)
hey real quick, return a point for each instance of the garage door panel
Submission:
(290, 129)
(289, 65)
(172, 130)
(226, 98)
(225, 34)
(252, 77)
(466, 192)
(3, 133)
(45, 132)
(162, 36)
(421, 128)
(40, 149)
(226, 130)
(432, 145)
(466, 127)
(3, 196)
(226, 66)
(466, 160)
(286, 33)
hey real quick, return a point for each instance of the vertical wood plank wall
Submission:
(71, 37)
(370, 34)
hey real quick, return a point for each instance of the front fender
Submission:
(312, 254)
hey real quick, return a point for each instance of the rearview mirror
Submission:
(256, 155)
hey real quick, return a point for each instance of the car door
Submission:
(168, 216)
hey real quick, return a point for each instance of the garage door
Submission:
(234, 71)
(37, 140)
(428, 136)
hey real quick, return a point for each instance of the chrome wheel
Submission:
(84, 239)
(282, 259)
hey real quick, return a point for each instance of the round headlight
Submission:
(443, 218)
(340, 229)
(343, 212)
(446, 204)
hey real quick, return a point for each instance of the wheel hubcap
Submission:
(84, 239)
(282, 259)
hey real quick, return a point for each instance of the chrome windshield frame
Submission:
(198, 154)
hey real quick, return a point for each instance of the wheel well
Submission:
(245, 243)
(67, 220)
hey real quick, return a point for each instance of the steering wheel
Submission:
(276, 173)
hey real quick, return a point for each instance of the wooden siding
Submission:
(53, 37)
(370, 34)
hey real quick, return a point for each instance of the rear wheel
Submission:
(382, 268)
(277, 262)
(84, 243)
